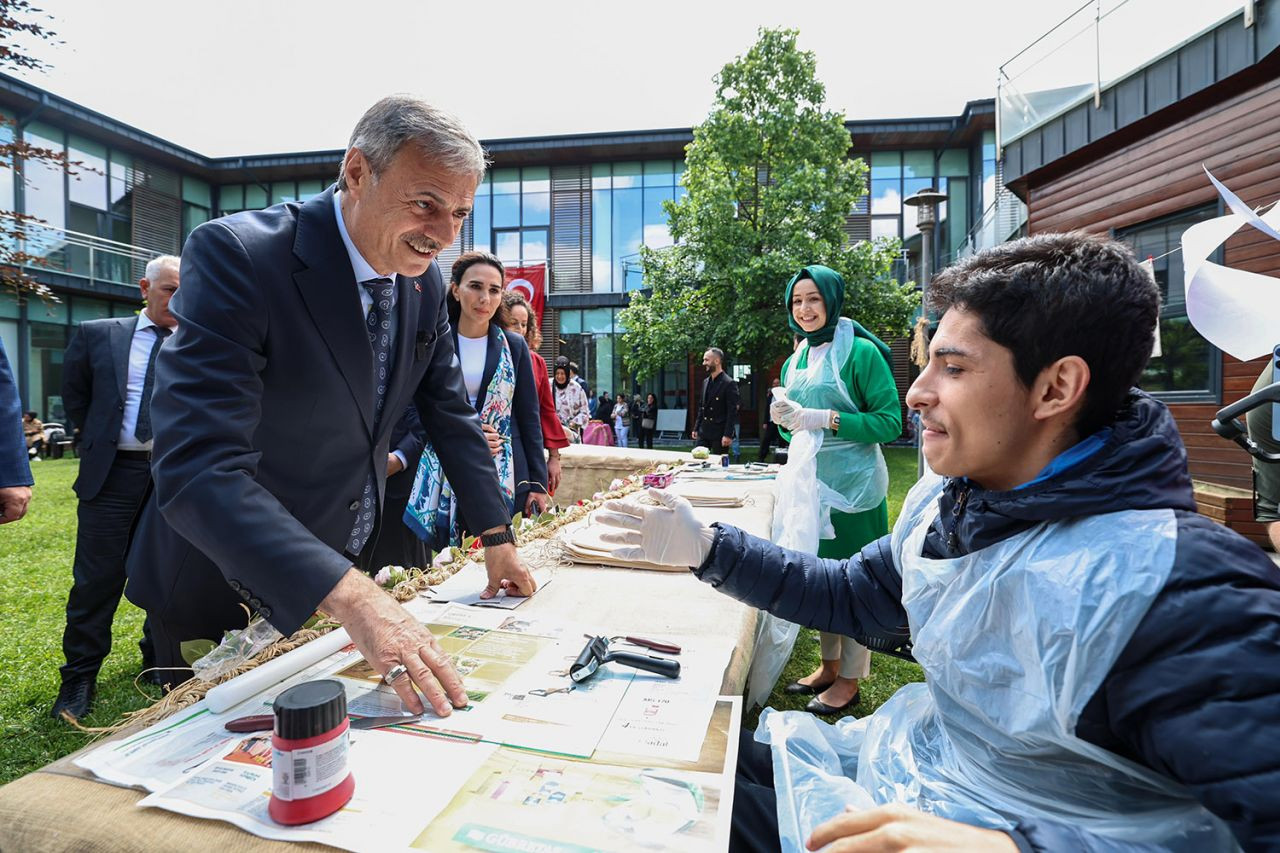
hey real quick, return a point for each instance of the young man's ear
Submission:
(1061, 387)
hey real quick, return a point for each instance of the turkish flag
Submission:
(532, 282)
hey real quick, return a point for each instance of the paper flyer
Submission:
(520, 802)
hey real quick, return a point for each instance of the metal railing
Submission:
(1096, 45)
(74, 253)
(1000, 222)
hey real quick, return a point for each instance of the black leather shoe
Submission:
(795, 688)
(75, 698)
(152, 676)
(816, 706)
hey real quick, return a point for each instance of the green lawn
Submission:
(36, 557)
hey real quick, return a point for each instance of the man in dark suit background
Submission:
(305, 329)
(718, 408)
(108, 376)
(15, 469)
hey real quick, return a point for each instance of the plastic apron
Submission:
(1014, 639)
(823, 473)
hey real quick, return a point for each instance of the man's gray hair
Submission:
(156, 264)
(398, 119)
(717, 352)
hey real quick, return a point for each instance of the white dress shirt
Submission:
(139, 354)
(365, 271)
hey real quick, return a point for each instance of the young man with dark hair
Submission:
(1102, 663)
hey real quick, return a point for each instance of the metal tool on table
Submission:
(597, 653)
(265, 722)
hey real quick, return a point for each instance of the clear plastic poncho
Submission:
(823, 473)
(1014, 639)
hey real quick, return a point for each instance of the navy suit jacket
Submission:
(264, 419)
(15, 470)
(95, 375)
(530, 467)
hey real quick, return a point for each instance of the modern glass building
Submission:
(583, 204)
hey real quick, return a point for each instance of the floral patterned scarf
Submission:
(432, 513)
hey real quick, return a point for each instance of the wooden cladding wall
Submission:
(1159, 176)
(570, 230)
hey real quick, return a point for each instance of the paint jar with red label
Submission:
(309, 744)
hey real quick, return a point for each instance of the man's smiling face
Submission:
(400, 220)
(976, 415)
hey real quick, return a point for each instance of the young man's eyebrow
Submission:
(954, 352)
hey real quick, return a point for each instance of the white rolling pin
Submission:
(228, 694)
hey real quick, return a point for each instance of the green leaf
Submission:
(193, 650)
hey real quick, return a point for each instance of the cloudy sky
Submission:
(228, 77)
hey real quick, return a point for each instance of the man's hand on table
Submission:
(387, 635)
(506, 571)
(668, 534)
(897, 827)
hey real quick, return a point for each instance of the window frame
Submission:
(1213, 393)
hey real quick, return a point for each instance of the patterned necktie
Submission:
(378, 325)
(142, 430)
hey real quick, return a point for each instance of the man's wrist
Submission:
(494, 537)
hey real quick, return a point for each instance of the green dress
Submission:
(870, 384)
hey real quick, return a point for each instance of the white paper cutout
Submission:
(1235, 310)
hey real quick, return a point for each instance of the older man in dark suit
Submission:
(305, 330)
(108, 375)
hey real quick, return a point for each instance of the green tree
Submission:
(21, 22)
(770, 183)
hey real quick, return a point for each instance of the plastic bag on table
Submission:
(796, 520)
(236, 648)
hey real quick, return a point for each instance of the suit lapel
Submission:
(328, 288)
(490, 364)
(120, 339)
(408, 303)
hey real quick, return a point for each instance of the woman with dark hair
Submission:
(571, 402)
(521, 320)
(646, 420)
(498, 375)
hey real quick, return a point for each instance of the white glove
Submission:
(668, 534)
(791, 417)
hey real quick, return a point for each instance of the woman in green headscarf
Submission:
(838, 381)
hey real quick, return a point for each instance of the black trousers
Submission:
(645, 437)
(754, 827)
(102, 538)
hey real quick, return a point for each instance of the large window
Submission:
(233, 198)
(512, 216)
(627, 213)
(1188, 367)
(590, 337)
(896, 176)
(197, 205)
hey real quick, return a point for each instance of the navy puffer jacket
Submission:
(1195, 695)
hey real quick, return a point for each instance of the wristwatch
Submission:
(835, 421)
(505, 537)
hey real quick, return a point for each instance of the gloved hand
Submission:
(791, 416)
(668, 534)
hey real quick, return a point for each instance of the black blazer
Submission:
(95, 377)
(264, 419)
(530, 467)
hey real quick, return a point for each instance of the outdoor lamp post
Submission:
(926, 204)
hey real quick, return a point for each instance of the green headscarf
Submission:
(830, 285)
